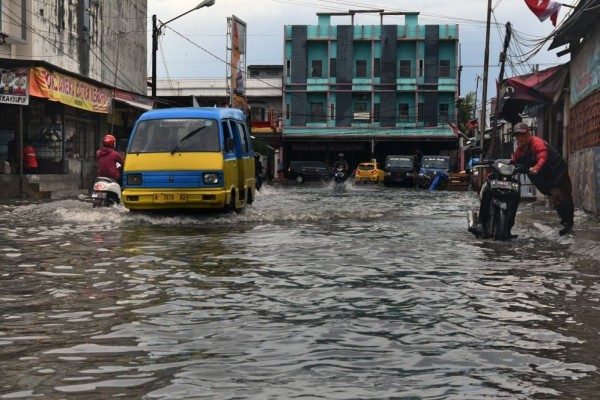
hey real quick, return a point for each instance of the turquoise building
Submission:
(369, 90)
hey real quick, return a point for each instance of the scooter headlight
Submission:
(506, 169)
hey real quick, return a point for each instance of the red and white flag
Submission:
(544, 9)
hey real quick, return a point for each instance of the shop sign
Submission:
(70, 91)
(134, 100)
(13, 86)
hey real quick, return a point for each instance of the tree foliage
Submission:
(465, 111)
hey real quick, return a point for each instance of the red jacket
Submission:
(107, 160)
(29, 159)
(551, 166)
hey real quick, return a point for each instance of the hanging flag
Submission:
(544, 9)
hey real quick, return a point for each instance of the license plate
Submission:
(504, 185)
(170, 197)
(98, 195)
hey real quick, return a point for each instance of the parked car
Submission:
(397, 169)
(368, 172)
(301, 171)
(432, 168)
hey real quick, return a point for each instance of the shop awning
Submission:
(541, 87)
(134, 100)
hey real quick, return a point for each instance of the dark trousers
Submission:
(561, 197)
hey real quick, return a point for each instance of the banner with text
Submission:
(13, 86)
(70, 91)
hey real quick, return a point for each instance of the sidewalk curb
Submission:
(583, 241)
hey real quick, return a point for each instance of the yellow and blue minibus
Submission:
(189, 158)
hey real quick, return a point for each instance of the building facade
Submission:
(70, 74)
(580, 34)
(369, 91)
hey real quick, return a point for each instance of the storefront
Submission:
(62, 117)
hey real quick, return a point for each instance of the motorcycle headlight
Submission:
(506, 169)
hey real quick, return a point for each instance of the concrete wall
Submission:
(584, 169)
(97, 39)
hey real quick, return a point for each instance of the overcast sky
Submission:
(194, 45)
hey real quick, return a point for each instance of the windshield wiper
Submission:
(186, 137)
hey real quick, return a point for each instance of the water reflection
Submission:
(368, 293)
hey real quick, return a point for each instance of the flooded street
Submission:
(372, 293)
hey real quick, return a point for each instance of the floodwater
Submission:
(371, 293)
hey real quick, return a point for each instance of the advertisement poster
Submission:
(13, 86)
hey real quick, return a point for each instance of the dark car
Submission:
(301, 171)
(399, 170)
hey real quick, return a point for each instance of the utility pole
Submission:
(477, 78)
(500, 79)
(486, 61)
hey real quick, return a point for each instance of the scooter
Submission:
(339, 177)
(106, 192)
(499, 196)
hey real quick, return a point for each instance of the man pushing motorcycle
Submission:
(548, 171)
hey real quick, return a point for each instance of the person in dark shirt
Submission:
(548, 171)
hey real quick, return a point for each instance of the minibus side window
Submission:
(228, 137)
(243, 137)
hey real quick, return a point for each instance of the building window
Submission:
(421, 65)
(361, 68)
(405, 69)
(421, 112)
(443, 113)
(258, 114)
(360, 107)
(444, 69)
(361, 114)
(332, 67)
(317, 113)
(377, 67)
(317, 69)
(288, 68)
(403, 112)
(376, 112)
(287, 111)
(332, 111)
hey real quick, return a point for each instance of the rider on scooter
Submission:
(110, 162)
(341, 162)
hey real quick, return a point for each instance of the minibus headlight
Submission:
(134, 179)
(211, 179)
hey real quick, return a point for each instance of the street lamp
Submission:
(156, 30)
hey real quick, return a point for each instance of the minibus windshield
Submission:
(170, 135)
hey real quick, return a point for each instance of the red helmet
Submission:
(109, 141)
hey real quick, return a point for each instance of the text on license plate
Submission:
(170, 197)
(505, 185)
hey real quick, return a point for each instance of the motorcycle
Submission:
(106, 192)
(339, 176)
(499, 197)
